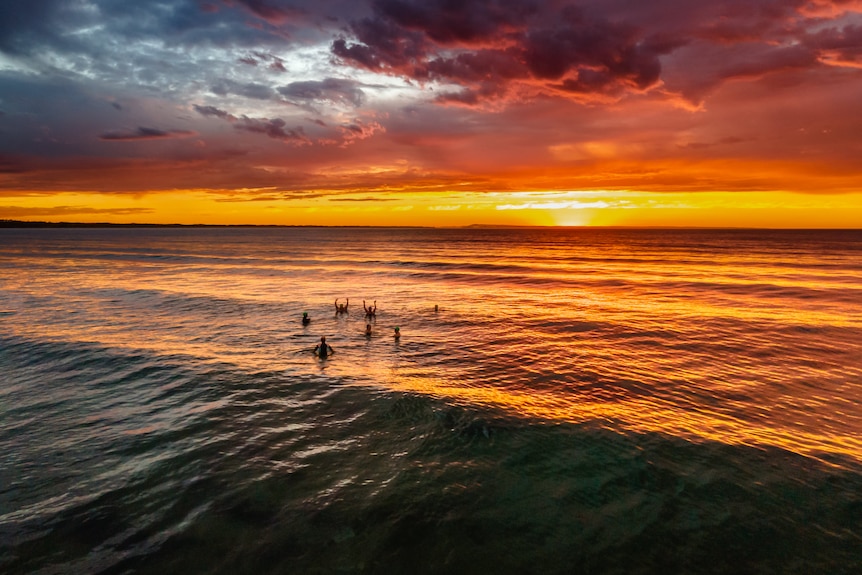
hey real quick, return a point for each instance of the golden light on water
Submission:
(643, 416)
(587, 333)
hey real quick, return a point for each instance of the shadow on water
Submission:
(407, 484)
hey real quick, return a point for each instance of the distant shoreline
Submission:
(29, 224)
(39, 224)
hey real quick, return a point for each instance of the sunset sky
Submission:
(432, 112)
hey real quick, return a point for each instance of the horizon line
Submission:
(9, 223)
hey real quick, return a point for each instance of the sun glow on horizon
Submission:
(441, 209)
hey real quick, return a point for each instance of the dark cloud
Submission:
(490, 47)
(273, 128)
(336, 90)
(383, 46)
(276, 128)
(485, 45)
(142, 133)
(270, 11)
(25, 21)
(465, 22)
(844, 44)
(256, 58)
(250, 90)
(12, 165)
(214, 112)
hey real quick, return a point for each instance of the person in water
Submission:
(370, 311)
(323, 349)
(305, 319)
(397, 333)
(368, 329)
(341, 308)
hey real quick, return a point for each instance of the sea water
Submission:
(559, 401)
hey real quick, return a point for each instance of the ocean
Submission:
(573, 401)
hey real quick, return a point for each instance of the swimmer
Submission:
(370, 311)
(323, 349)
(368, 329)
(436, 308)
(397, 333)
(341, 308)
(305, 319)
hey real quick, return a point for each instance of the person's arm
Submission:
(363, 305)
(347, 305)
(375, 305)
(336, 304)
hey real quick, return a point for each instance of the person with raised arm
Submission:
(341, 308)
(370, 311)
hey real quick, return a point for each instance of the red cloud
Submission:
(490, 50)
(268, 12)
(488, 46)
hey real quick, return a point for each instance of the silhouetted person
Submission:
(323, 349)
(370, 311)
(305, 319)
(341, 308)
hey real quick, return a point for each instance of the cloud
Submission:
(837, 44)
(257, 58)
(359, 130)
(142, 133)
(349, 132)
(25, 21)
(362, 200)
(457, 23)
(335, 90)
(489, 48)
(214, 112)
(486, 51)
(251, 90)
(62, 211)
(267, 11)
(477, 94)
(564, 205)
(272, 128)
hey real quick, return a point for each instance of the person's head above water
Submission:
(305, 314)
(323, 339)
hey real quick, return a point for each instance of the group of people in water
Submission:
(323, 349)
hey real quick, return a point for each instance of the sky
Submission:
(432, 112)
